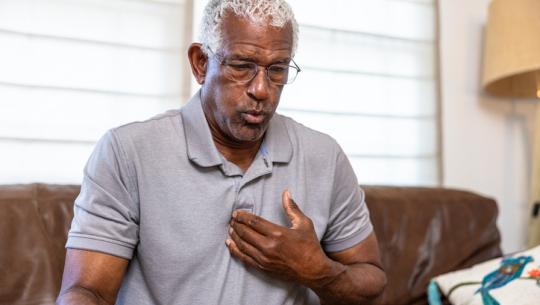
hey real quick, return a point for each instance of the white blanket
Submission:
(517, 292)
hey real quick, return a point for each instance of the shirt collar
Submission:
(277, 142)
(202, 150)
(199, 143)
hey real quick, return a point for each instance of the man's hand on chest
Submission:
(292, 254)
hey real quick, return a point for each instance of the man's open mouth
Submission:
(253, 117)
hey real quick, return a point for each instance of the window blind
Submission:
(70, 70)
(369, 80)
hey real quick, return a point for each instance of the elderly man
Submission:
(223, 201)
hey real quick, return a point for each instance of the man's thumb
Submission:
(291, 209)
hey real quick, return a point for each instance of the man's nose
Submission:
(259, 87)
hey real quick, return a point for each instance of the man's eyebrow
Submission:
(242, 57)
(285, 60)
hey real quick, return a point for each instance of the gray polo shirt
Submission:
(159, 193)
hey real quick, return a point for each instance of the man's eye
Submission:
(278, 68)
(241, 66)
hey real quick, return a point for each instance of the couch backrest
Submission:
(34, 220)
(422, 232)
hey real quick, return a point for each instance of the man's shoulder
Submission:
(312, 146)
(163, 122)
(152, 132)
(301, 134)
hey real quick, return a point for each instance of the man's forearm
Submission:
(350, 284)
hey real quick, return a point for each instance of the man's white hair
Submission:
(278, 12)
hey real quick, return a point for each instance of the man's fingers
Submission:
(255, 222)
(233, 248)
(243, 250)
(292, 210)
(248, 235)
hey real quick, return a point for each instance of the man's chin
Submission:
(249, 134)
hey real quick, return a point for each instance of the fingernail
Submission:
(234, 214)
(230, 230)
(228, 242)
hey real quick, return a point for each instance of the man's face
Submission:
(242, 111)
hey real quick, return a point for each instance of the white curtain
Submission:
(369, 80)
(71, 69)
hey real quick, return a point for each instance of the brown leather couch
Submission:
(422, 232)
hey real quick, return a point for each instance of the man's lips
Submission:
(253, 117)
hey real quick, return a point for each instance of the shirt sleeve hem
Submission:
(99, 245)
(348, 242)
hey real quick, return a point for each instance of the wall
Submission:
(485, 143)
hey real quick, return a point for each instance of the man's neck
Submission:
(241, 156)
(240, 153)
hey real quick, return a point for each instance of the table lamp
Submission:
(512, 69)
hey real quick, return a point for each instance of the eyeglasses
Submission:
(244, 71)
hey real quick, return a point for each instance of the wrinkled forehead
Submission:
(241, 32)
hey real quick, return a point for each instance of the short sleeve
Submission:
(106, 215)
(349, 222)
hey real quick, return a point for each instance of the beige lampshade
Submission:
(512, 49)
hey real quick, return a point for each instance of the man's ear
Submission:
(198, 61)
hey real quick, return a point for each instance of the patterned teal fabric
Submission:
(511, 269)
(434, 297)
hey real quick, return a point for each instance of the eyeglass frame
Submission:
(223, 62)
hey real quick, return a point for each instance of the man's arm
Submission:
(360, 279)
(91, 278)
(352, 276)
